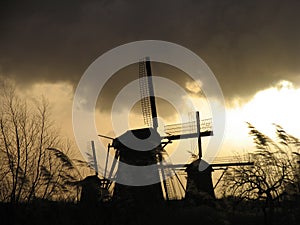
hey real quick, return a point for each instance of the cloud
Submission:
(247, 44)
(194, 86)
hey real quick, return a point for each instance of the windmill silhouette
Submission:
(153, 152)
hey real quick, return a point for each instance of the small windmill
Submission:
(156, 153)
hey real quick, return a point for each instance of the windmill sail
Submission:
(144, 91)
(189, 127)
(147, 94)
(95, 164)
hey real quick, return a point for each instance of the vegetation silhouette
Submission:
(273, 183)
(32, 167)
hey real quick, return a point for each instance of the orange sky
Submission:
(277, 104)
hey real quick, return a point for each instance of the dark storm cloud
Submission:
(248, 44)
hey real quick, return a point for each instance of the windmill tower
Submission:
(153, 153)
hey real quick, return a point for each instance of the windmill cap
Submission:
(198, 165)
(145, 139)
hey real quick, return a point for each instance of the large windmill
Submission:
(154, 152)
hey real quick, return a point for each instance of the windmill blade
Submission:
(147, 93)
(173, 187)
(144, 91)
(193, 129)
(94, 158)
(188, 128)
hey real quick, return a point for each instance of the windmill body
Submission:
(146, 157)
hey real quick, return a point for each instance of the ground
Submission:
(179, 212)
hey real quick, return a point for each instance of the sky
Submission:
(252, 47)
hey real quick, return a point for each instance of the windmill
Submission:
(154, 152)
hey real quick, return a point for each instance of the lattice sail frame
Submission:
(188, 127)
(145, 94)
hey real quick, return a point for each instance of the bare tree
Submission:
(275, 169)
(30, 169)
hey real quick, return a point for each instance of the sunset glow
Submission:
(277, 104)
